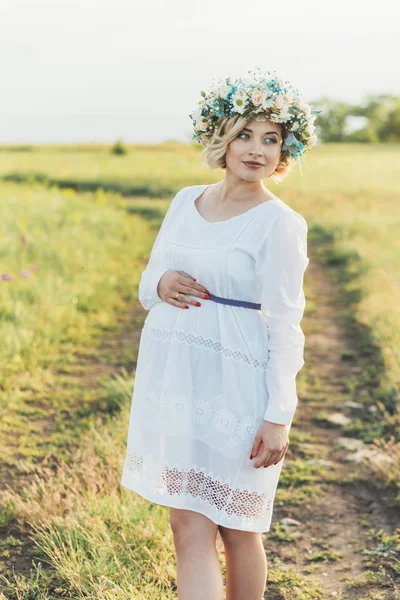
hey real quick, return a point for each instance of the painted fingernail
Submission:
(186, 307)
(206, 296)
(198, 304)
(251, 456)
(265, 466)
(206, 291)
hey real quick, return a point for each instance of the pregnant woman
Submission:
(215, 387)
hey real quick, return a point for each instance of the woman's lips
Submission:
(252, 165)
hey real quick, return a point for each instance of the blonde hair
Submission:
(228, 128)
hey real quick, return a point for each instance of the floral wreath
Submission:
(249, 96)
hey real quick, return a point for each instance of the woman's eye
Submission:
(267, 138)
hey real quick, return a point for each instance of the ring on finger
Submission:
(177, 294)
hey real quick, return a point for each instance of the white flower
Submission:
(247, 427)
(239, 101)
(284, 115)
(267, 101)
(295, 126)
(196, 114)
(180, 403)
(246, 431)
(306, 108)
(225, 420)
(223, 90)
(202, 411)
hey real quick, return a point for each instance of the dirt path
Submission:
(328, 548)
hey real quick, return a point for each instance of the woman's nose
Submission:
(256, 147)
(255, 151)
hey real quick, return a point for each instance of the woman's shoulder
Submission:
(189, 189)
(180, 198)
(286, 215)
(185, 193)
(280, 222)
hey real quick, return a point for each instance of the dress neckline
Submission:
(204, 187)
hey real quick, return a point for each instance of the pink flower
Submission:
(6, 277)
(25, 273)
(257, 97)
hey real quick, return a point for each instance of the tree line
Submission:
(378, 120)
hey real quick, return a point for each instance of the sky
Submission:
(99, 70)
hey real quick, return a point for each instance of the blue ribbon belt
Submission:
(235, 302)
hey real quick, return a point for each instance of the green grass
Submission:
(75, 262)
(72, 255)
(151, 170)
(89, 249)
(290, 585)
(101, 540)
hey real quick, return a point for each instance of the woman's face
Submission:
(259, 141)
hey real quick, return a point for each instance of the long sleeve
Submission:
(280, 265)
(156, 265)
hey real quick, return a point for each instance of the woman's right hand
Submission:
(179, 282)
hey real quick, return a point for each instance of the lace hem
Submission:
(208, 344)
(195, 489)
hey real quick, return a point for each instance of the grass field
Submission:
(76, 228)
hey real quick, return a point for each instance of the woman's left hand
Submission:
(271, 442)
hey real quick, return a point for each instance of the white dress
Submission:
(207, 376)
